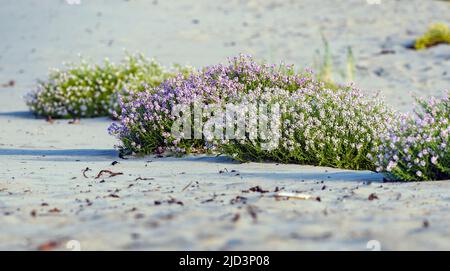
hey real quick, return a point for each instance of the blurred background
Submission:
(39, 34)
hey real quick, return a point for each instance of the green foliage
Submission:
(437, 33)
(418, 149)
(91, 90)
(318, 126)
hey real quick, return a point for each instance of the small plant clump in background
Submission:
(437, 33)
(419, 149)
(90, 90)
(324, 66)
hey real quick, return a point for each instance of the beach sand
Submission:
(203, 202)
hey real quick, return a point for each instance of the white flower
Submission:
(434, 160)
(391, 166)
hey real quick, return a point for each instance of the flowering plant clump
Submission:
(89, 90)
(319, 126)
(315, 125)
(419, 148)
(147, 118)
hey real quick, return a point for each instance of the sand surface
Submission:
(204, 202)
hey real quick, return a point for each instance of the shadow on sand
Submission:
(110, 153)
(203, 158)
(19, 114)
(352, 176)
(260, 171)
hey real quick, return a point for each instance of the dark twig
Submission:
(111, 174)
(84, 172)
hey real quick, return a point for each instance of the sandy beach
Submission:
(51, 189)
